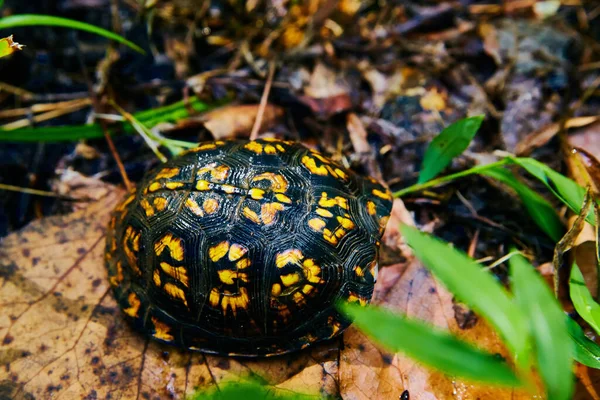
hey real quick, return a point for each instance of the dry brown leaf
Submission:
(237, 120)
(63, 335)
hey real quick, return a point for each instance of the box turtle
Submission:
(243, 247)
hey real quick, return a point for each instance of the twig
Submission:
(36, 192)
(263, 102)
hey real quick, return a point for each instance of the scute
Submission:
(242, 248)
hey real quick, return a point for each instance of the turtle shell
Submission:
(244, 247)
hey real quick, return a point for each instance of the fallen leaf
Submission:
(237, 120)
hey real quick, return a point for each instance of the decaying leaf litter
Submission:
(370, 85)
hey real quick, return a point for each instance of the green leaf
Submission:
(540, 210)
(247, 390)
(553, 346)
(565, 189)
(586, 351)
(430, 346)
(14, 21)
(8, 46)
(582, 299)
(451, 142)
(474, 286)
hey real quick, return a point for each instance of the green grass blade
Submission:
(8, 46)
(586, 351)
(474, 286)
(430, 346)
(14, 21)
(541, 211)
(451, 142)
(150, 118)
(547, 322)
(582, 299)
(565, 189)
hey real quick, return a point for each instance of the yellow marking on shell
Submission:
(179, 273)
(311, 271)
(256, 193)
(371, 208)
(167, 173)
(194, 207)
(317, 224)
(383, 222)
(220, 173)
(335, 325)
(342, 202)
(298, 298)
(311, 165)
(278, 182)
(156, 277)
(116, 279)
(210, 205)
(226, 276)
(254, 147)
(251, 215)
(339, 233)
(240, 300)
(269, 211)
(154, 186)
(236, 252)
(332, 171)
(228, 189)
(215, 297)
(202, 185)
(282, 198)
(148, 209)
(341, 173)
(290, 279)
(306, 289)
(217, 252)
(324, 213)
(130, 252)
(320, 157)
(206, 146)
(173, 185)
(175, 292)
(292, 256)
(276, 289)
(383, 195)
(280, 148)
(346, 222)
(174, 244)
(358, 271)
(160, 203)
(270, 149)
(161, 330)
(326, 202)
(330, 237)
(134, 305)
(353, 298)
(243, 263)
(125, 203)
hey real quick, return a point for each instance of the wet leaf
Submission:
(474, 286)
(443, 351)
(585, 351)
(451, 142)
(540, 210)
(582, 299)
(547, 325)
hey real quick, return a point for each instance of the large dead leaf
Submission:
(62, 335)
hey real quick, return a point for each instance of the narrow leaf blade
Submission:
(451, 142)
(474, 286)
(547, 322)
(430, 346)
(582, 299)
(14, 21)
(586, 352)
(540, 210)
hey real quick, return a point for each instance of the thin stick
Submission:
(263, 102)
(36, 192)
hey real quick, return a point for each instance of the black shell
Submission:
(242, 248)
